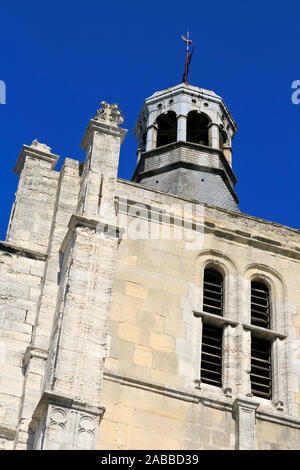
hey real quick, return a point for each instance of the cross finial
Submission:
(187, 41)
(188, 58)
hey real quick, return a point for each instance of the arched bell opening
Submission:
(197, 128)
(166, 128)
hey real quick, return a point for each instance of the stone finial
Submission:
(39, 146)
(110, 113)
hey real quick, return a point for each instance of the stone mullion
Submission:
(229, 365)
(244, 361)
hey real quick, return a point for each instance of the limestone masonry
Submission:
(152, 313)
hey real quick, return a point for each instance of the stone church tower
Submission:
(152, 313)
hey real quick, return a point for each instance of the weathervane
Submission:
(188, 57)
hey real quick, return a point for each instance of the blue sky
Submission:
(60, 59)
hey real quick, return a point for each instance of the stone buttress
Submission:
(63, 363)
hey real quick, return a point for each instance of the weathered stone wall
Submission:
(21, 275)
(155, 339)
(67, 414)
(31, 218)
(143, 419)
(271, 436)
(65, 205)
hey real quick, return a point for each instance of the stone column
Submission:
(230, 366)
(244, 414)
(181, 128)
(213, 136)
(151, 141)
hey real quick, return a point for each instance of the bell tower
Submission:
(184, 135)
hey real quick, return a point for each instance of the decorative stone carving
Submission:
(228, 392)
(110, 113)
(61, 422)
(279, 405)
(86, 432)
(40, 146)
(57, 425)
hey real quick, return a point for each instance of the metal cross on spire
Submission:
(188, 58)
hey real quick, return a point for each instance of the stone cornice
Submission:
(95, 224)
(192, 91)
(212, 400)
(193, 146)
(245, 403)
(235, 235)
(29, 151)
(219, 209)
(100, 126)
(258, 242)
(129, 381)
(59, 399)
(191, 166)
(10, 248)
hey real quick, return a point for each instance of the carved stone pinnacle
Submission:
(110, 113)
(39, 146)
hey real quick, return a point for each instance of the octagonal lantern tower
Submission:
(184, 135)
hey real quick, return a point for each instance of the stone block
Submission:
(165, 361)
(136, 290)
(162, 342)
(129, 332)
(142, 356)
(131, 260)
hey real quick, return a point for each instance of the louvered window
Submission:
(211, 358)
(261, 372)
(213, 292)
(260, 304)
(261, 381)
